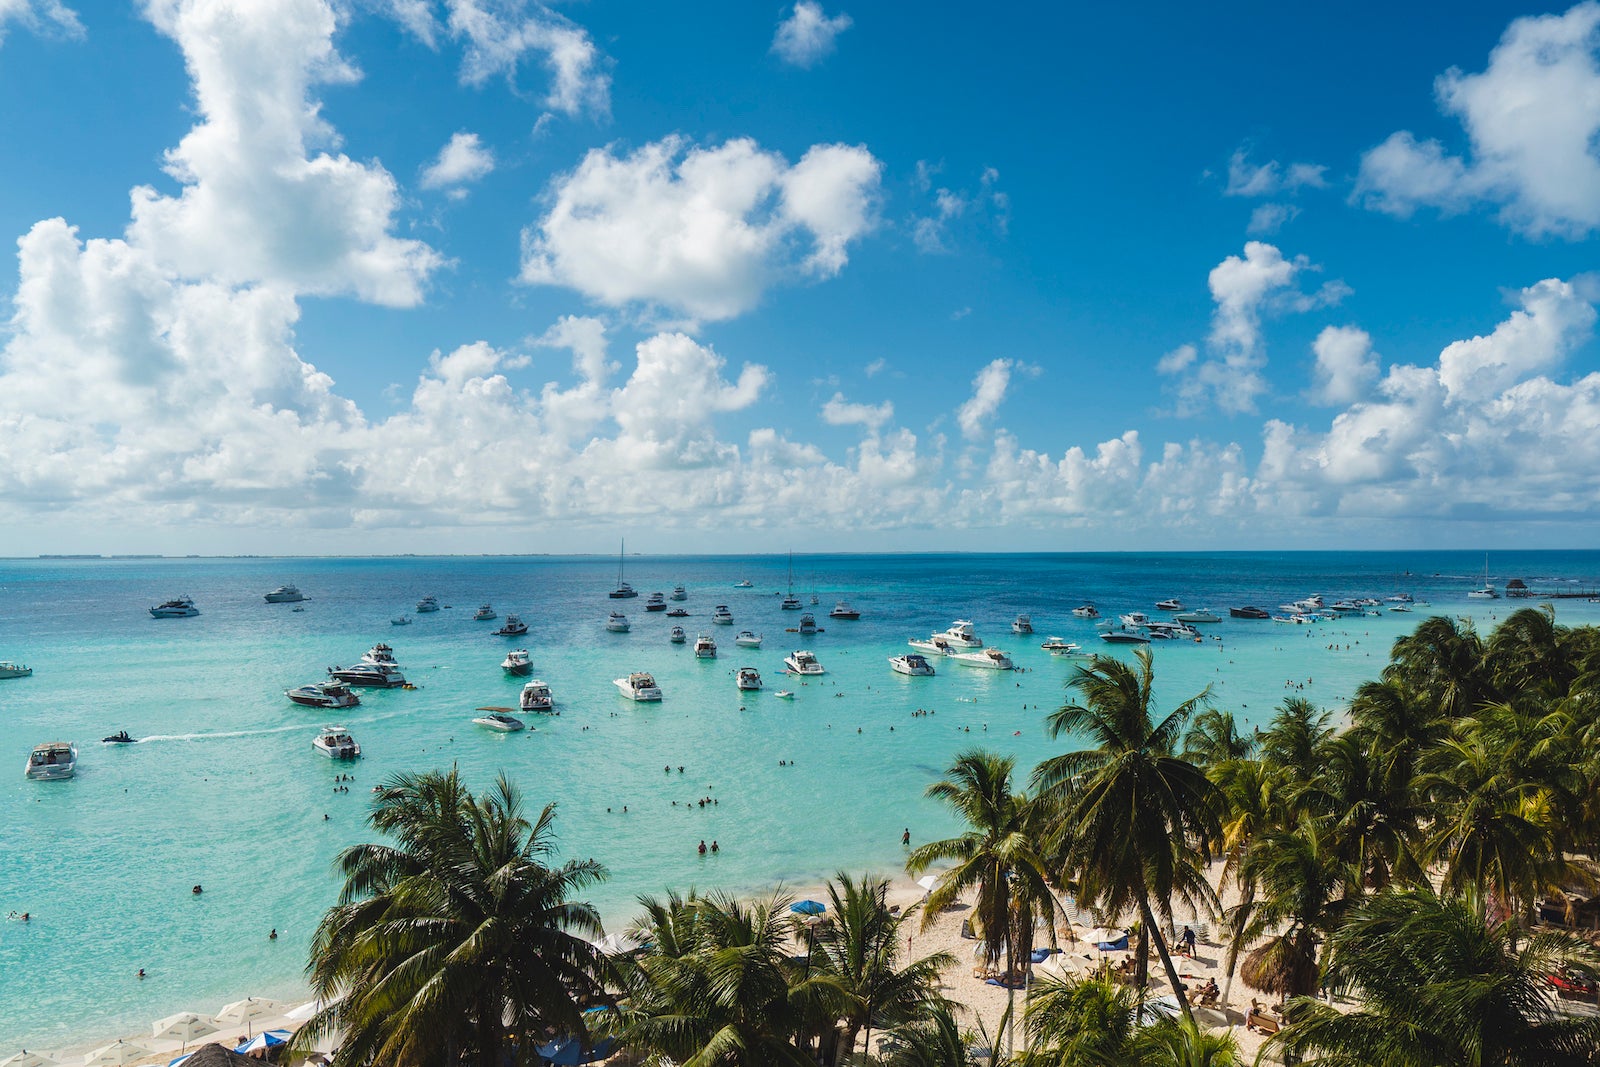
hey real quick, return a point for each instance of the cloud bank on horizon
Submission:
(158, 380)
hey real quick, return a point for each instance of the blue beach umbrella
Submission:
(808, 907)
(569, 1051)
(264, 1040)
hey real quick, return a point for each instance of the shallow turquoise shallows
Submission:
(225, 791)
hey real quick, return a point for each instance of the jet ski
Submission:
(119, 738)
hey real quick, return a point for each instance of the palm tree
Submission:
(1144, 821)
(1183, 1043)
(1079, 1022)
(1528, 655)
(1442, 663)
(1439, 986)
(1299, 883)
(1293, 742)
(445, 944)
(1214, 739)
(933, 1039)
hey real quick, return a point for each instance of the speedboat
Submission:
(51, 761)
(679, 593)
(517, 662)
(802, 662)
(14, 670)
(742, 583)
(1198, 615)
(119, 738)
(1059, 647)
(704, 647)
(640, 685)
(1086, 611)
(1022, 624)
(400, 620)
(678, 636)
(512, 627)
(747, 678)
(536, 697)
(381, 655)
(623, 591)
(913, 664)
(960, 635)
(369, 675)
(427, 604)
(1173, 630)
(499, 720)
(335, 742)
(1400, 598)
(677, 613)
(1399, 607)
(180, 608)
(617, 623)
(722, 616)
(1125, 636)
(657, 602)
(485, 613)
(285, 594)
(746, 639)
(991, 658)
(1169, 604)
(934, 646)
(841, 610)
(1249, 612)
(1135, 619)
(323, 695)
(808, 623)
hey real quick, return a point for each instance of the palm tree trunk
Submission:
(1166, 959)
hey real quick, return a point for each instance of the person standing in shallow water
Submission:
(905, 838)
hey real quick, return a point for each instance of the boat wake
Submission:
(222, 735)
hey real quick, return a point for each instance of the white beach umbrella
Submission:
(250, 1009)
(928, 881)
(27, 1059)
(184, 1026)
(1102, 934)
(117, 1054)
(618, 944)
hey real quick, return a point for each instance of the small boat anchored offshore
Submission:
(323, 695)
(517, 662)
(285, 594)
(911, 663)
(52, 761)
(640, 685)
(335, 742)
(802, 662)
(536, 698)
(512, 627)
(178, 608)
(497, 719)
(748, 679)
(617, 623)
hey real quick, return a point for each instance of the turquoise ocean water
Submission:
(225, 790)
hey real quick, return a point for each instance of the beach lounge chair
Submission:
(1261, 1022)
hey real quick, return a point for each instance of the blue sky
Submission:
(489, 275)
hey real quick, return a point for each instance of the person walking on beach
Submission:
(1188, 940)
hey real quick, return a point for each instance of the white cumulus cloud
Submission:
(1271, 178)
(988, 391)
(1346, 365)
(462, 160)
(840, 412)
(47, 18)
(808, 34)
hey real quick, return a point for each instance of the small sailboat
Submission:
(623, 591)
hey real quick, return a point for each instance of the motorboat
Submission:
(335, 742)
(657, 602)
(512, 627)
(746, 639)
(1249, 612)
(992, 658)
(623, 591)
(842, 610)
(323, 695)
(1400, 598)
(485, 613)
(536, 698)
(813, 599)
(678, 636)
(427, 604)
(911, 663)
(679, 593)
(180, 608)
(119, 738)
(677, 613)
(499, 720)
(961, 635)
(1057, 646)
(517, 662)
(1487, 590)
(704, 647)
(722, 616)
(1086, 611)
(1399, 607)
(1178, 631)
(1310, 604)
(14, 670)
(1125, 635)
(802, 662)
(1169, 604)
(617, 623)
(285, 594)
(1135, 619)
(808, 624)
(1198, 615)
(743, 583)
(640, 685)
(381, 655)
(368, 675)
(934, 646)
(747, 679)
(1022, 624)
(52, 761)
(400, 620)
(784, 694)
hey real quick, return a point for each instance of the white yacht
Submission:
(747, 679)
(369, 675)
(1170, 604)
(704, 647)
(499, 720)
(1022, 624)
(1135, 619)
(335, 742)
(1058, 647)
(678, 637)
(1487, 590)
(1086, 611)
(400, 620)
(808, 623)
(1180, 631)
(427, 604)
(992, 658)
(746, 639)
(656, 602)
(1126, 635)
(380, 654)
(623, 591)
(617, 623)
(913, 664)
(485, 613)
(960, 635)
(722, 616)
(802, 662)
(323, 695)
(517, 662)
(640, 685)
(677, 613)
(536, 698)
(842, 610)
(1198, 615)
(178, 608)
(512, 627)
(52, 760)
(285, 594)
(679, 593)
(743, 583)
(14, 670)
(934, 646)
